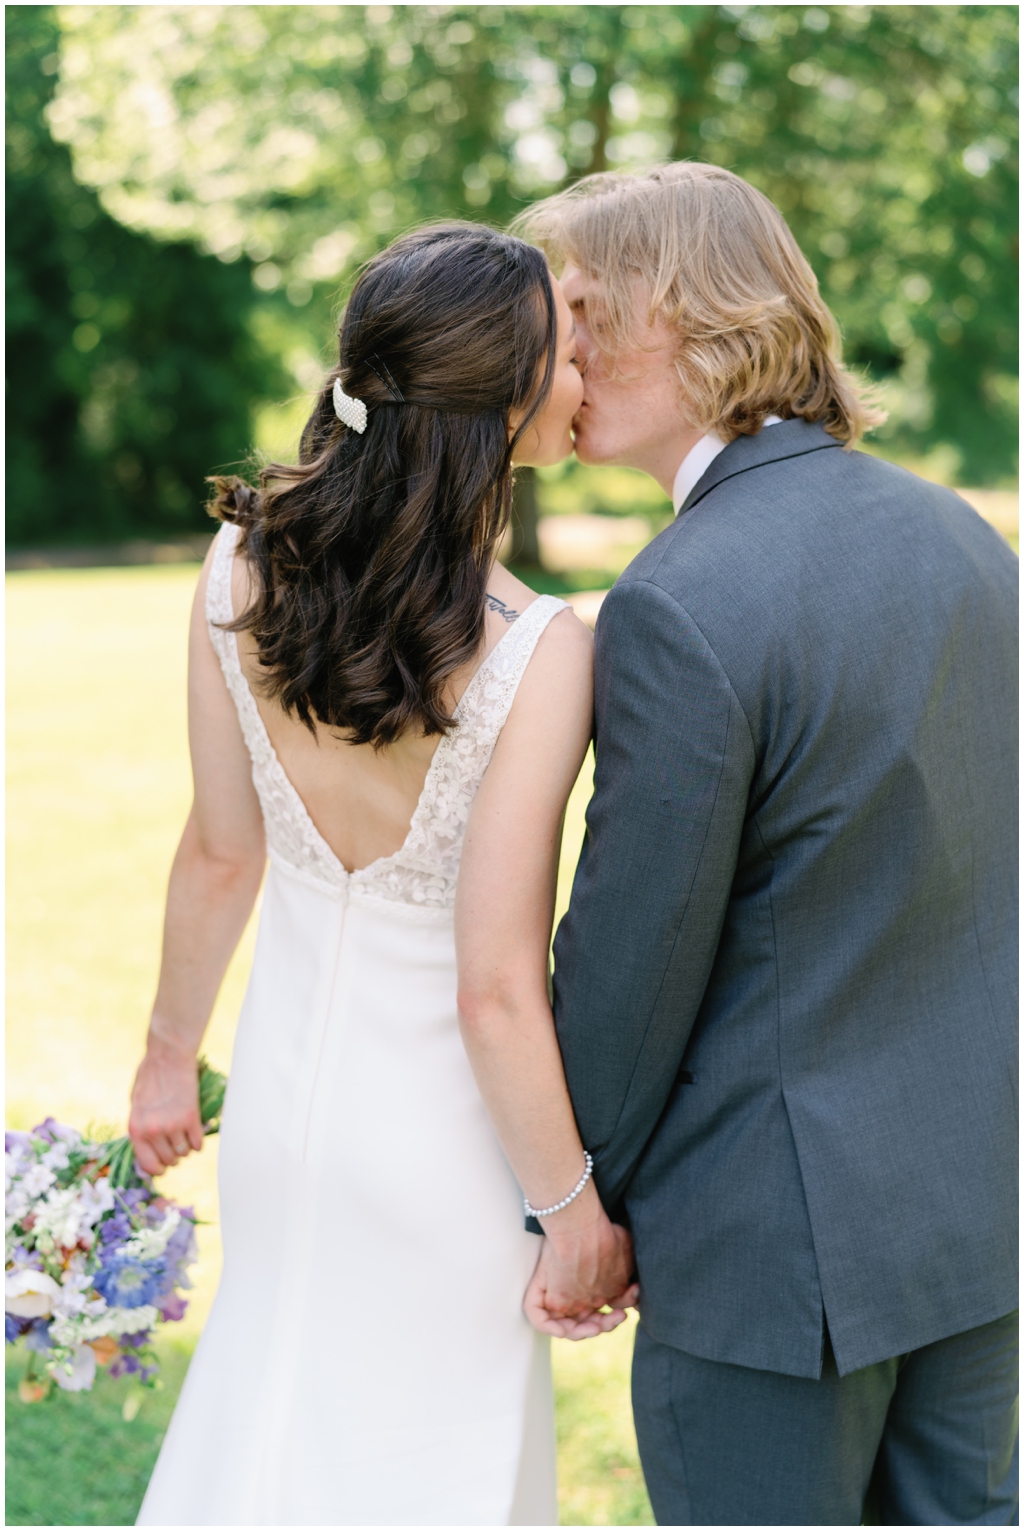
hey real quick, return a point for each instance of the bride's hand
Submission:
(580, 1271)
(164, 1124)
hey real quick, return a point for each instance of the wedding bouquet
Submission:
(95, 1258)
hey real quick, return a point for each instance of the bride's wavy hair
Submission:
(369, 558)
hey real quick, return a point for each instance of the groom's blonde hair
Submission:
(713, 257)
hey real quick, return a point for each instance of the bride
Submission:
(395, 722)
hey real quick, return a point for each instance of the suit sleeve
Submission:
(674, 763)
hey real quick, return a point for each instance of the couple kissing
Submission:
(768, 1094)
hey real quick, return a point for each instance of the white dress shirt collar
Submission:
(698, 460)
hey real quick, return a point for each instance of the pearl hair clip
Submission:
(352, 412)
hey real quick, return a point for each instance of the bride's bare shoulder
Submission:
(560, 675)
(509, 598)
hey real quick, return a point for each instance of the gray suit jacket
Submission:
(784, 988)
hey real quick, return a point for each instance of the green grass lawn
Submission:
(75, 1460)
(98, 788)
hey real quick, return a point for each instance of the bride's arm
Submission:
(503, 913)
(213, 885)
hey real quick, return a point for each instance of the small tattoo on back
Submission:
(493, 604)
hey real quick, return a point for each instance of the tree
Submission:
(301, 138)
(131, 370)
(885, 134)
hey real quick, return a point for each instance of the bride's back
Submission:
(361, 798)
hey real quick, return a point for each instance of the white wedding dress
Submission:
(367, 1360)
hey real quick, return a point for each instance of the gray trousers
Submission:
(926, 1439)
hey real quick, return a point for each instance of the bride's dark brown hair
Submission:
(370, 557)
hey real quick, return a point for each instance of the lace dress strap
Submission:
(219, 609)
(426, 868)
(488, 698)
(293, 841)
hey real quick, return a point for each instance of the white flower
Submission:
(15, 1206)
(36, 1180)
(17, 1158)
(30, 1294)
(78, 1374)
(149, 1243)
(69, 1303)
(115, 1321)
(94, 1200)
(68, 1330)
(75, 1282)
(61, 1218)
(56, 1157)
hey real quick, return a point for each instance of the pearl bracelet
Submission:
(547, 1211)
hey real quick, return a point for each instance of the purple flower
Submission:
(181, 1250)
(116, 1229)
(13, 1140)
(51, 1131)
(127, 1282)
(182, 1240)
(38, 1336)
(137, 1340)
(23, 1261)
(127, 1365)
(14, 1328)
(172, 1309)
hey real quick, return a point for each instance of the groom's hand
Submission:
(580, 1271)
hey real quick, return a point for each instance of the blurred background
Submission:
(190, 191)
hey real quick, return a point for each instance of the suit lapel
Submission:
(793, 438)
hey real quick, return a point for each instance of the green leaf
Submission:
(212, 1085)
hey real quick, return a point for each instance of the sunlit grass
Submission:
(98, 789)
(76, 1460)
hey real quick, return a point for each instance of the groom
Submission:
(785, 985)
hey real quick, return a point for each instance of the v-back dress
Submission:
(367, 1360)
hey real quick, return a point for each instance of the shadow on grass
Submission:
(74, 1460)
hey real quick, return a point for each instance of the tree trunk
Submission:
(525, 547)
(606, 42)
(691, 88)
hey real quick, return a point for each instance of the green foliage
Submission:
(886, 135)
(571, 488)
(120, 1155)
(307, 136)
(292, 141)
(131, 371)
(212, 1087)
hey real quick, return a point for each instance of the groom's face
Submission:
(633, 412)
